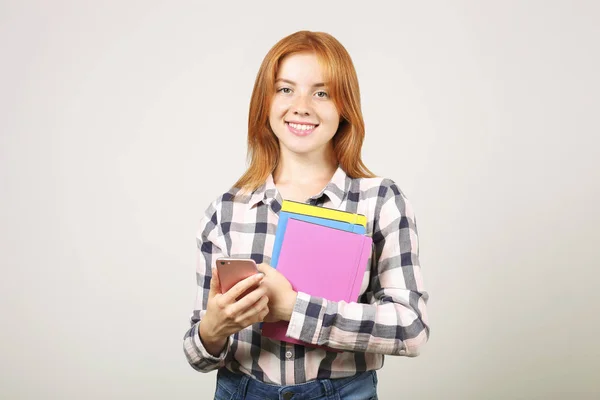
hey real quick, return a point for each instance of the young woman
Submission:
(305, 134)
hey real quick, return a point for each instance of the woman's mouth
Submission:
(300, 129)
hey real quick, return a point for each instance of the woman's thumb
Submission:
(215, 284)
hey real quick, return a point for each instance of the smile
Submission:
(300, 129)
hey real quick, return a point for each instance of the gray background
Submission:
(121, 121)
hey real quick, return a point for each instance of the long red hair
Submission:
(263, 145)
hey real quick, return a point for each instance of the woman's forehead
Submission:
(301, 68)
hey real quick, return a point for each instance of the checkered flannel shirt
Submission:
(390, 316)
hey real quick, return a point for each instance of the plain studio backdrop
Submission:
(121, 121)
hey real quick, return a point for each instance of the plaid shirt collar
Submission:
(336, 190)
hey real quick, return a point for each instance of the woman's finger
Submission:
(239, 288)
(215, 284)
(240, 306)
(252, 313)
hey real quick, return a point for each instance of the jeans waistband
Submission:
(319, 388)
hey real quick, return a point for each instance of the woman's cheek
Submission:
(282, 106)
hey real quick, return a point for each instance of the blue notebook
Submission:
(284, 217)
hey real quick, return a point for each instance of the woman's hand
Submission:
(281, 295)
(225, 316)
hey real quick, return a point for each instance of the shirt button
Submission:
(288, 354)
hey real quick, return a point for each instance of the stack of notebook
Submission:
(322, 252)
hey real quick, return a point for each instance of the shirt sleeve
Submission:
(395, 322)
(209, 249)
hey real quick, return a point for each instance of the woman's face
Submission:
(302, 115)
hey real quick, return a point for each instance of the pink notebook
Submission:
(321, 261)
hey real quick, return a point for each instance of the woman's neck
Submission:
(304, 170)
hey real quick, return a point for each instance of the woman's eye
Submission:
(285, 90)
(322, 94)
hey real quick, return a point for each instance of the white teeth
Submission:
(301, 127)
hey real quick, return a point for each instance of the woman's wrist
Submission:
(213, 344)
(289, 307)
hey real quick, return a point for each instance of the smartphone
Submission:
(233, 270)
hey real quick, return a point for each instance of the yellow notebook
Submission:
(323, 212)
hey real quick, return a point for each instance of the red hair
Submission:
(263, 145)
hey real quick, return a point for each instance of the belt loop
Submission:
(330, 392)
(240, 393)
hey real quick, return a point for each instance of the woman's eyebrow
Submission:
(320, 84)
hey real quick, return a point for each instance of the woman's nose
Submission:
(301, 106)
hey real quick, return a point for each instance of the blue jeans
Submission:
(231, 386)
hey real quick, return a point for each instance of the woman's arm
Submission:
(217, 316)
(198, 356)
(396, 322)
